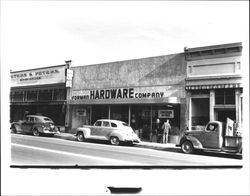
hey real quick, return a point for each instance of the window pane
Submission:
(32, 96)
(219, 96)
(98, 123)
(45, 95)
(230, 96)
(106, 124)
(113, 125)
(59, 94)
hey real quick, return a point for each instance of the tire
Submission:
(187, 147)
(114, 141)
(80, 137)
(35, 132)
(13, 129)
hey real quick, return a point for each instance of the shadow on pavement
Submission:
(205, 153)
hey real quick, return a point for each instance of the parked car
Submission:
(114, 131)
(35, 124)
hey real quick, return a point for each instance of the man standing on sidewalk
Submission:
(165, 127)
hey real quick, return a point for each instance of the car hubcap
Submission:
(35, 133)
(80, 137)
(114, 141)
(187, 147)
(14, 129)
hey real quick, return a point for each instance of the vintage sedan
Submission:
(114, 131)
(36, 125)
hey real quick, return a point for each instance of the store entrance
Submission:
(224, 114)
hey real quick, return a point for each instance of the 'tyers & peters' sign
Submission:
(49, 75)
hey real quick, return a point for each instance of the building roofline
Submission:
(113, 62)
(38, 68)
(212, 47)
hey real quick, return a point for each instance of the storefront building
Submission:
(214, 84)
(39, 91)
(138, 92)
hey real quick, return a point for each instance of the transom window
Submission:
(225, 96)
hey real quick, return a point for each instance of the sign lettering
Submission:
(119, 93)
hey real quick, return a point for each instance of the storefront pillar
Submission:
(68, 97)
(129, 115)
(189, 109)
(109, 112)
(238, 105)
(211, 105)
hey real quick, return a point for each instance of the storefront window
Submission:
(59, 94)
(99, 112)
(224, 96)
(17, 96)
(200, 112)
(32, 96)
(148, 119)
(119, 112)
(45, 95)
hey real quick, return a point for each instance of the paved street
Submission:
(30, 150)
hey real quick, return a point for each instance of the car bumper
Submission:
(132, 140)
(50, 131)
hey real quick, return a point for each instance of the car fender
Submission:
(17, 125)
(86, 131)
(196, 143)
(121, 136)
(38, 127)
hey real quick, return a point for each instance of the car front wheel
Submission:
(35, 132)
(114, 141)
(187, 147)
(80, 137)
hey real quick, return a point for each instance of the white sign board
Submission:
(166, 113)
(230, 127)
(154, 92)
(49, 75)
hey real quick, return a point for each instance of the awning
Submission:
(213, 86)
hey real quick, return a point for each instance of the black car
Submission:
(35, 124)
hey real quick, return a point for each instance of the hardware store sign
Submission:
(122, 93)
(50, 75)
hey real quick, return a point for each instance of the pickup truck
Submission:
(214, 137)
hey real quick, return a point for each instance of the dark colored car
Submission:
(35, 124)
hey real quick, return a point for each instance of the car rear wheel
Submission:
(35, 132)
(13, 129)
(114, 141)
(80, 137)
(187, 147)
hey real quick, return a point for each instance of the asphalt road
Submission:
(31, 150)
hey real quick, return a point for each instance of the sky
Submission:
(47, 33)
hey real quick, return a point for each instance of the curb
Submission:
(151, 145)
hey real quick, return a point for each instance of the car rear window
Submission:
(125, 124)
(113, 125)
(47, 119)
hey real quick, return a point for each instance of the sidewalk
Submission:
(144, 144)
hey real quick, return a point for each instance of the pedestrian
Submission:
(165, 127)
